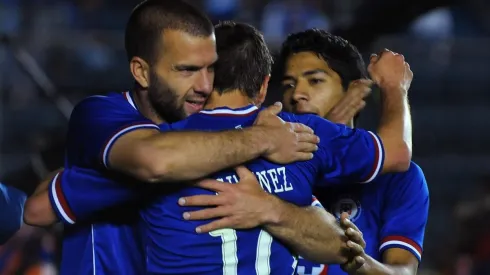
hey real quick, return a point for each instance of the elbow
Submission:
(398, 159)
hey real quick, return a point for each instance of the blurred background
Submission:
(54, 53)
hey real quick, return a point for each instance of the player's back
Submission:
(109, 243)
(173, 246)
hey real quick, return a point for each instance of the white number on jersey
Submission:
(229, 251)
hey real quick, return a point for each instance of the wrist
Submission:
(390, 89)
(373, 267)
(273, 213)
(258, 140)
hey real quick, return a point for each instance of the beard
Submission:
(164, 100)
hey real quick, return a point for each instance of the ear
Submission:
(263, 91)
(141, 71)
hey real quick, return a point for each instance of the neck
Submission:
(231, 99)
(142, 102)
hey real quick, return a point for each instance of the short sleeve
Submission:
(78, 194)
(95, 125)
(12, 203)
(346, 154)
(405, 212)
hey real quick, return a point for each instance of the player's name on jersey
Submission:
(272, 180)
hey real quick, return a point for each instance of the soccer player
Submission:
(169, 237)
(392, 211)
(12, 206)
(171, 49)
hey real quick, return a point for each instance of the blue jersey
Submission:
(12, 207)
(391, 212)
(172, 246)
(108, 246)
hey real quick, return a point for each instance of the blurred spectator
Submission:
(280, 18)
(474, 218)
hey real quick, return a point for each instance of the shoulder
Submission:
(312, 120)
(95, 102)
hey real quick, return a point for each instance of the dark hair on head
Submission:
(151, 17)
(340, 55)
(244, 59)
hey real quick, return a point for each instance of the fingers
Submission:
(215, 225)
(302, 156)
(275, 108)
(206, 214)
(355, 265)
(300, 128)
(308, 138)
(307, 147)
(355, 248)
(202, 200)
(243, 173)
(356, 237)
(346, 223)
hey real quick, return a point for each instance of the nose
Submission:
(300, 94)
(204, 82)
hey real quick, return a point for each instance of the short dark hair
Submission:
(340, 55)
(244, 59)
(151, 17)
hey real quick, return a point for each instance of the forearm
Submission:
(395, 130)
(38, 210)
(310, 231)
(181, 156)
(378, 268)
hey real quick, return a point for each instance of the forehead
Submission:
(305, 61)
(183, 48)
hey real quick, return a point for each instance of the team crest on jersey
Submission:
(347, 204)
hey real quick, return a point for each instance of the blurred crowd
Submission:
(54, 52)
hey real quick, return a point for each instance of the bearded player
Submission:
(325, 74)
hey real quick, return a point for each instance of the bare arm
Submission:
(178, 156)
(393, 75)
(38, 210)
(396, 261)
(310, 231)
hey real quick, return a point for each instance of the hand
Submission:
(351, 103)
(239, 206)
(390, 71)
(289, 142)
(357, 263)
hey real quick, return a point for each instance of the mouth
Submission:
(195, 105)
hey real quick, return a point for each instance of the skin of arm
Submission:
(310, 231)
(396, 261)
(38, 210)
(179, 156)
(393, 75)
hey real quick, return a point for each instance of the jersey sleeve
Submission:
(346, 154)
(12, 208)
(316, 202)
(78, 194)
(405, 211)
(95, 125)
